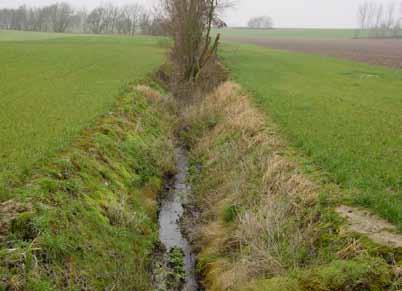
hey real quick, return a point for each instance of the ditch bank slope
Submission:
(88, 220)
(262, 222)
(257, 220)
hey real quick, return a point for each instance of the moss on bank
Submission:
(87, 221)
(356, 274)
(264, 222)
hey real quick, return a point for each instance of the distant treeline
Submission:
(379, 20)
(62, 17)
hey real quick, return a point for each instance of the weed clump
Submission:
(23, 227)
(175, 263)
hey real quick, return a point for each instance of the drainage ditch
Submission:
(176, 266)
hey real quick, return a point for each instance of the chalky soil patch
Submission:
(375, 228)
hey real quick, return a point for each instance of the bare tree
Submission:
(95, 20)
(389, 20)
(131, 17)
(79, 20)
(155, 21)
(190, 23)
(60, 16)
(5, 18)
(41, 20)
(145, 23)
(19, 18)
(398, 26)
(110, 17)
(378, 20)
(363, 17)
(262, 22)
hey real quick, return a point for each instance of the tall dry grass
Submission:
(257, 210)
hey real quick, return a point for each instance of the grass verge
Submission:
(265, 222)
(87, 219)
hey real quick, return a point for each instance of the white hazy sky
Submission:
(286, 13)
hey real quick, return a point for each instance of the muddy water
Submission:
(171, 212)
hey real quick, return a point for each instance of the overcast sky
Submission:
(286, 13)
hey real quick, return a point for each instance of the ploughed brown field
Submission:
(383, 52)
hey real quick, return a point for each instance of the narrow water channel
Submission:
(171, 212)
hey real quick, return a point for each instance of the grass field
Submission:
(51, 89)
(289, 33)
(344, 115)
(12, 35)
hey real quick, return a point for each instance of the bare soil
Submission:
(383, 52)
(377, 229)
(9, 211)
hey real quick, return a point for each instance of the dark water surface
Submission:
(170, 230)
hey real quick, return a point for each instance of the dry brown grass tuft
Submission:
(149, 93)
(254, 222)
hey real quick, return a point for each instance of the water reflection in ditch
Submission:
(171, 212)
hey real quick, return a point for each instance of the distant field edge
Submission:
(385, 52)
(18, 35)
(314, 33)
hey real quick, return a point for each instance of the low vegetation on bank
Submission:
(86, 220)
(264, 221)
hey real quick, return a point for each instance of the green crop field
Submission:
(12, 35)
(290, 33)
(51, 89)
(345, 116)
